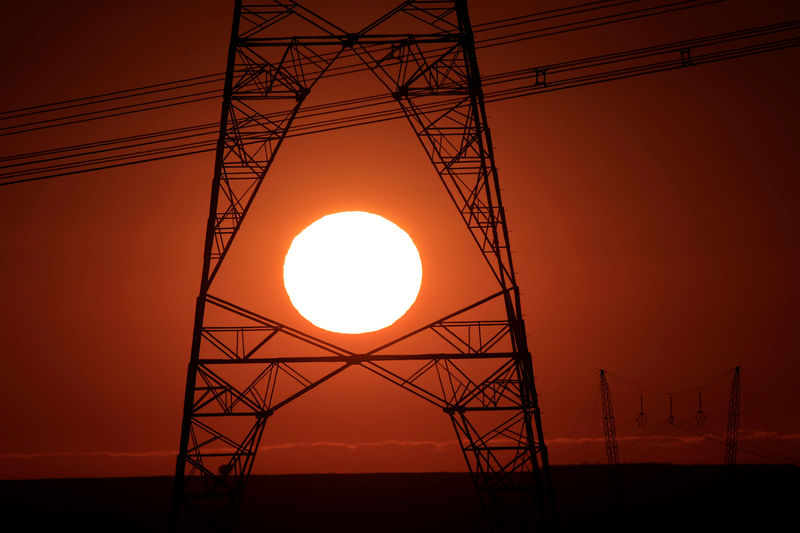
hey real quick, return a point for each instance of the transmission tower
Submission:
(239, 375)
(609, 425)
(732, 432)
(700, 417)
(641, 418)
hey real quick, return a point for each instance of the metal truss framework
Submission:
(732, 428)
(481, 376)
(609, 423)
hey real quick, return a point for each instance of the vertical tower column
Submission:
(229, 396)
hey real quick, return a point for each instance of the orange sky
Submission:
(654, 223)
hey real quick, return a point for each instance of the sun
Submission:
(352, 272)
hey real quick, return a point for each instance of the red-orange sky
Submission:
(654, 223)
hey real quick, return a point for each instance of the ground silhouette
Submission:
(650, 498)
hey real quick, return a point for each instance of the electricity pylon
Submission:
(732, 429)
(641, 418)
(478, 368)
(609, 424)
(700, 417)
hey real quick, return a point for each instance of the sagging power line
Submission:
(179, 142)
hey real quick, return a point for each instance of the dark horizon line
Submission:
(435, 473)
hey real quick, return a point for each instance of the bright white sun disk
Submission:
(352, 272)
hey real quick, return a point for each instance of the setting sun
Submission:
(352, 272)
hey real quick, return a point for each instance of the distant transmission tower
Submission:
(609, 424)
(700, 417)
(641, 418)
(732, 432)
(240, 375)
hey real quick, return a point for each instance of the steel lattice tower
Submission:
(609, 424)
(732, 429)
(238, 377)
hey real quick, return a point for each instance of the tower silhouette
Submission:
(481, 376)
(609, 423)
(732, 427)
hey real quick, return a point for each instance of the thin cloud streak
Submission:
(438, 445)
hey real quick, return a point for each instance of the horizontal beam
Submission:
(358, 358)
(346, 40)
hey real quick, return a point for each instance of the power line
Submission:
(552, 13)
(671, 393)
(375, 109)
(116, 95)
(596, 22)
(358, 66)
